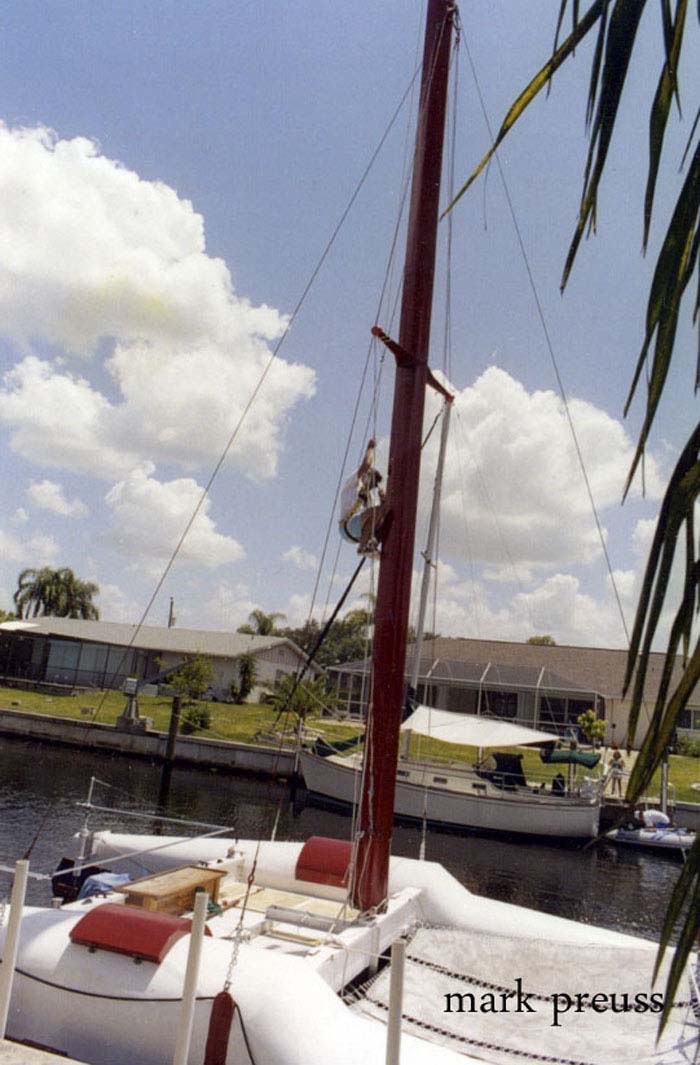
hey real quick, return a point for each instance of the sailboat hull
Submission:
(446, 797)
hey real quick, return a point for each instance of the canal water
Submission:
(40, 787)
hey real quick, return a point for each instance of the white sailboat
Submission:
(456, 794)
(101, 979)
(464, 796)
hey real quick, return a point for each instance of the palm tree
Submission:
(57, 593)
(616, 23)
(261, 624)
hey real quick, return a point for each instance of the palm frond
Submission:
(666, 89)
(619, 45)
(528, 94)
(595, 67)
(686, 894)
(677, 510)
(690, 138)
(674, 269)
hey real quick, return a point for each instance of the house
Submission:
(102, 654)
(537, 685)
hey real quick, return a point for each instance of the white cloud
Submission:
(114, 604)
(36, 550)
(47, 495)
(150, 517)
(304, 560)
(513, 492)
(20, 517)
(229, 606)
(98, 261)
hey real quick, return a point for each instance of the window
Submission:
(578, 706)
(63, 661)
(93, 658)
(553, 710)
(689, 719)
(500, 704)
(463, 700)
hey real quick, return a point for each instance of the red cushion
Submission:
(325, 861)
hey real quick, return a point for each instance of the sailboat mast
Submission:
(376, 818)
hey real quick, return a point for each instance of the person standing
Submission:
(616, 766)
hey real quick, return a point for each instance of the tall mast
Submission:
(376, 819)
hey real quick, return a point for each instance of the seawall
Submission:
(189, 750)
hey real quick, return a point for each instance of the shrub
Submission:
(689, 748)
(591, 726)
(195, 718)
(192, 679)
(248, 674)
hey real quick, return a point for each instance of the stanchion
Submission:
(9, 954)
(189, 990)
(393, 1028)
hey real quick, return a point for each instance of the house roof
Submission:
(151, 637)
(589, 669)
(490, 674)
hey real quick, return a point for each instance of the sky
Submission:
(170, 175)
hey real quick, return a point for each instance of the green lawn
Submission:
(228, 721)
(250, 722)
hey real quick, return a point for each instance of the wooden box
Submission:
(173, 891)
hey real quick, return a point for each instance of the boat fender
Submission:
(222, 1013)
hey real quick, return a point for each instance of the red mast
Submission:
(394, 589)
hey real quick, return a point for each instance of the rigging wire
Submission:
(550, 346)
(263, 376)
(372, 349)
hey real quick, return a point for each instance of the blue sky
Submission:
(155, 240)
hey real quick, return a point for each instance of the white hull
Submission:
(456, 802)
(104, 1009)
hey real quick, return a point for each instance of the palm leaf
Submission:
(690, 138)
(674, 269)
(677, 511)
(667, 87)
(526, 97)
(595, 67)
(691, 925)
(619, 45)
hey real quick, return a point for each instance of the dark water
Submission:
(40, 785)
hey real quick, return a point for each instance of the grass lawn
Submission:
(244, 723)
(228, 721)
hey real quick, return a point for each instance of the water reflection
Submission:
(38, 782)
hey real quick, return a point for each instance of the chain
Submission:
(238, 934)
